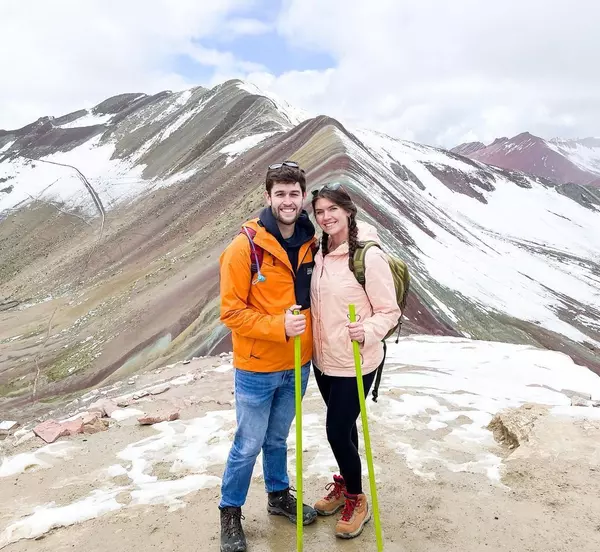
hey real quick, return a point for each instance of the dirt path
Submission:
(444, 500)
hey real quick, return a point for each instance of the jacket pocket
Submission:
(244, 346)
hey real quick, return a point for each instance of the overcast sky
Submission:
(439, 72)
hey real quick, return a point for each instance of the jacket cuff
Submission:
(280, 328)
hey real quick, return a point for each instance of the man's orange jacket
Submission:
(255, 313)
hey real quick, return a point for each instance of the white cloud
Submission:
(245, 26)
(432, 71)
(443, 72)
(68, 54)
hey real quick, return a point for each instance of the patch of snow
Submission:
(177, 124)
(48, 517)
(89, 119)
(7, 425)
(293, 114)
(7, 146)
(169, 492)
(40, 458)
(182, 380)
(244, 144)
(588, 413)
(180, 100)
(223, 368)
(184, 118)
(584, 157)
(114, 180)
(125, 413)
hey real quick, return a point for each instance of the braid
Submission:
(352, 240)
(325, 243)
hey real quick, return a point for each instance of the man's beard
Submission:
(278, 218)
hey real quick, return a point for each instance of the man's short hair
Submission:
(285, 174)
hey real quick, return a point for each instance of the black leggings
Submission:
(343, 408)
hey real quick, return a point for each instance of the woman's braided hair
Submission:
(341, 198)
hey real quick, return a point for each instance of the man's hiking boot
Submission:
(330, 504)
(354, 516)
(232, 534)
(283, 503)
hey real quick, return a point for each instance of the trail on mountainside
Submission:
(94, 195)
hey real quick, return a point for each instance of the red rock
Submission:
(166, 416)
(50, 431)
(73, 427)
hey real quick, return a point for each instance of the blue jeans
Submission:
(265, 408)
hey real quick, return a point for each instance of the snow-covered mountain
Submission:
(563, 161)
(109, 259)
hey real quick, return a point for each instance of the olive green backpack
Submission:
(401, 283)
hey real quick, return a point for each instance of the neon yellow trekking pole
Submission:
(298, 393)
(365, 426)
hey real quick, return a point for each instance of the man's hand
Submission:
(295, 324)
(356, 331)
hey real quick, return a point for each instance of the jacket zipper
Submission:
(322, 368)
(295, 271)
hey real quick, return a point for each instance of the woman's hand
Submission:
(356, 331)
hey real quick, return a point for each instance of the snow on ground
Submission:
(48, 517)
(180, 121)
(586, 158)
(457, 385)
(89, 119)
(243, 145)
(487, 245)
(113, 179)
(40, 458)
(293, 114)
(437, 396)
(7, 146)
(180, 100)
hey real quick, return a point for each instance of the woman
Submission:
(333, 288)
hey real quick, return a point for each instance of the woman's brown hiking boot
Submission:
(354, 516)
(335, 500)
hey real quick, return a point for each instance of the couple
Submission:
(271, 269)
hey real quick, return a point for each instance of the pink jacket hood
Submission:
(333, 288)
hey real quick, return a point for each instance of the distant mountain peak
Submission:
(560, 160)
(467, 147)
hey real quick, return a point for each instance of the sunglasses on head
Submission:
(292, 164)
(333, 187)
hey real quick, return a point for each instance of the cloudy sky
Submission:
(440, 72)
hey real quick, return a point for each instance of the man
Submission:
(265, 276)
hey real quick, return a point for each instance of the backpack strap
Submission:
(359, 273)
(256, 254)
(359, 260)
(375, 391)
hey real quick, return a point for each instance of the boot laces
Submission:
(350, 506)
(289, 499)
(335, 490)
(232, 522)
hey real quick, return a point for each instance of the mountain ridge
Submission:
(178, 173)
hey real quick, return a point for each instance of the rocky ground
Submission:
(442, 486)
